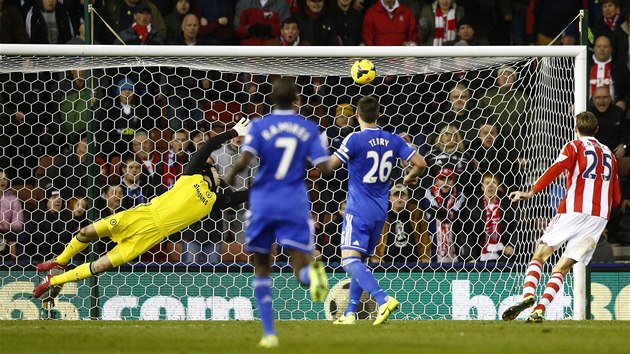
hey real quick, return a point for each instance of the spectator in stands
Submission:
(460, 111)
(379, 28)
(570, 36)
(449, 152)
(135, 189)
(438, 22)
(493, 153)
(547, 19)
(506, 104)
(78, 207)
(224, 159)
(25, 113)
(143, 148)
(110, 201)
(444, 210)
(614, 128)
(186, 89)
(289, 34)
(405, 236)
(173, 160)
(490, 225)
(48, 22)
(329, 240)
(45, 232)
(333, 190)
(73, 109)
(256, 23)
(347, 21)
(141, 31)
(12, 29)
(466, 34)
(11, 217)
(173, 21)
(123, 15)
(217, 21)
(316, 26)
(604, 72)
(609, 24)
(68, 173)
(120, 119)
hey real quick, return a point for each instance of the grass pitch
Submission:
(487, 337)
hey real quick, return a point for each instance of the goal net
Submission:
(90, 130)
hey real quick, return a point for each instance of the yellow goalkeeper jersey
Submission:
(189, 200)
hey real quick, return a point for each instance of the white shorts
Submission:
(579, 231)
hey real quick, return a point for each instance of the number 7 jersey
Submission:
(592, 181)
(284, 142)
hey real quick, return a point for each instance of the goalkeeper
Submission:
(137, 230)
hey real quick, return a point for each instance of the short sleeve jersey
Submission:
(285, 143)
(370, 155)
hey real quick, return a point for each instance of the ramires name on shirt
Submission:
(200, 195)
(379, 141)
(292, 128)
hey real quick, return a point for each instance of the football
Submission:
(363, 71)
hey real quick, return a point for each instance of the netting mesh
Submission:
(505, 116)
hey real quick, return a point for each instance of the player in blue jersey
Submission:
(286, 144)
(370, 155)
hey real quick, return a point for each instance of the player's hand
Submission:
(518, 195)
(410, 180)
(242, 127)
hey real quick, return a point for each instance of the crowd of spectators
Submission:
(468, 124)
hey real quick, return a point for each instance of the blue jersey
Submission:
(371, 154)
(284, 142)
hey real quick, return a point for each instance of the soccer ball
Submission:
(363, 72)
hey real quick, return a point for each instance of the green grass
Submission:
(426, 337)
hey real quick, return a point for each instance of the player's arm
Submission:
(199, 158)
(231, 200)
(244, 160)
(419, 165)
(549, 176)
(334, 162)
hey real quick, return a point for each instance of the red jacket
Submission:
(380, 29)
(250, 12)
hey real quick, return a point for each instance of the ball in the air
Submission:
(363, 71)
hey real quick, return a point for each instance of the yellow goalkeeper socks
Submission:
(74, 246)
(81, 272)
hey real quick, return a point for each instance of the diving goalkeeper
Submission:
(138, 229)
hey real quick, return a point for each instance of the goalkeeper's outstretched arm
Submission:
(198, 161)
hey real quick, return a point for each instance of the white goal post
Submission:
(415, 82)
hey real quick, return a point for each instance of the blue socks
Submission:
(365, 278)
(304, 277)
(355, 297)
(262, 292)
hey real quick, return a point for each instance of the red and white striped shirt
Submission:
(592, 179)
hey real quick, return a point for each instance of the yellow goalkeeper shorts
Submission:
(135, 231)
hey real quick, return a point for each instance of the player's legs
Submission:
(554, 285)
(297, 237)
(262, 293)
(77, 244)
(532, 276)
(358, 238)
(310, 272)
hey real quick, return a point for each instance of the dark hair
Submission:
(586, 123)
(368, 109)
(290, 20)
(284, 93)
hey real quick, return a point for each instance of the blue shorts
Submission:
(360, 234)
(262, 232)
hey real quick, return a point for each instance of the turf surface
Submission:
(487, 337)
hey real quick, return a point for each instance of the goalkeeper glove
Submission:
(242, 126)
